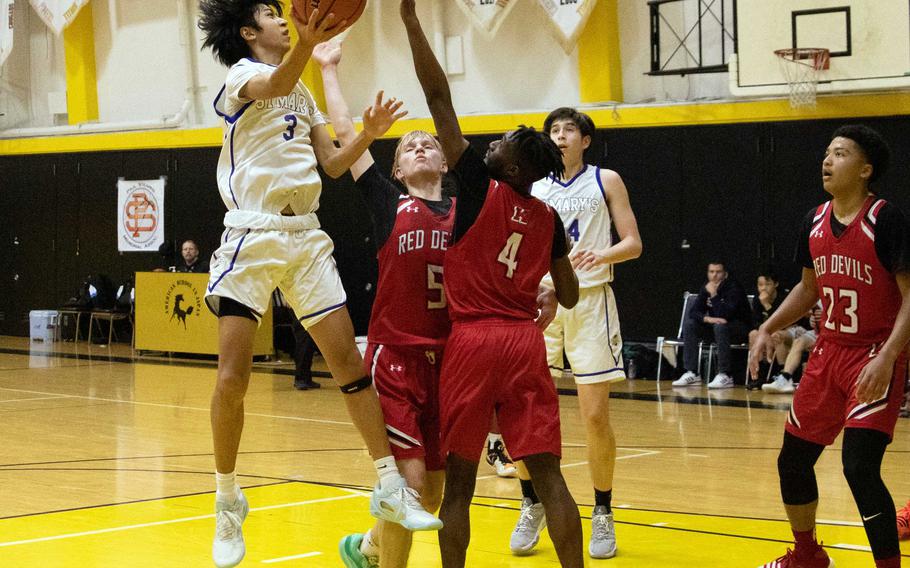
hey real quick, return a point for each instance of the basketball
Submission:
(344, 10)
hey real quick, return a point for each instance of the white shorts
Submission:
(589, 335)
(795, 331)
(250, 264)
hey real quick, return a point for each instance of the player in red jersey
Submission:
(409, 322)
(504, 242)
(855, 254)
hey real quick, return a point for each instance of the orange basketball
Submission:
(349, 10)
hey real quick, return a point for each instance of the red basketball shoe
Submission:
(903, 522)
(790, 560)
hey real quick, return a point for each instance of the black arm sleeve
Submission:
(560, 244)
(382, 196)
(802, 256)
(473, 181)
(892, 239)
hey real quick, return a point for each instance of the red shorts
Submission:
(499, 367)
(407, 380)
(825, 402)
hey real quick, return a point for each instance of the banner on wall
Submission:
(568, 19)
(487, 15)
(57, 14)
(6, 29)
(140, 215)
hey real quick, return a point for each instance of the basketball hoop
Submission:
(801, 67)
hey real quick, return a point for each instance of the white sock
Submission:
(492, 439)
(226, 487)
(388, 471)
(367, 546)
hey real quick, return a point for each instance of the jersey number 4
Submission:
(509, 254)
(846, 321)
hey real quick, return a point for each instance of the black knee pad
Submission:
(357, 386)
(796, 467)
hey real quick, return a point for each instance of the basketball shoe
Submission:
(603, 534)
(819, 559)
(780, 385)
(531, 521)
(499, 460)
(400, 504)
(352, 556)
(903, 522)
(228, 548)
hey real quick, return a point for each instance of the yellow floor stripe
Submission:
(299, 524)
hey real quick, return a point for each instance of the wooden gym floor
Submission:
(106, 460)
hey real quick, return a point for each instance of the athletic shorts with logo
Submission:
(498, 366)
(407, 381)
(825, 402)
(250, 264)
(589, 334)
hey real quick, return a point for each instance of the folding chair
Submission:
(111, 316)
(688, 301)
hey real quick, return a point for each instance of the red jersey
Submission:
(495, 268)
(410, 304)
(860, 297)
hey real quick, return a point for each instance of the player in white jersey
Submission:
(588, 199)
(267, 177)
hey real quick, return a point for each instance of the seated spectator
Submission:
(721, 315)
(803, 340)
(191, 261)
(767, 300)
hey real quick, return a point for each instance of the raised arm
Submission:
(281, 81)
(377, 119)
(435, 86)
(328, 56)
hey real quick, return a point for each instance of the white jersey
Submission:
(267, 160)
(582, 204)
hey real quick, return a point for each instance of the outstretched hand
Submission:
(312, 31)
(327, 53)
(380, 116)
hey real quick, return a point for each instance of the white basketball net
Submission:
(801, 69)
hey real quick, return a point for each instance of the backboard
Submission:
(869, 41)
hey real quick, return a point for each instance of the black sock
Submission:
(603, 499)
(527, 490)
(786, 375)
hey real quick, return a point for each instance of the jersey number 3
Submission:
(292, 124)
(509, 254)
(849, 321)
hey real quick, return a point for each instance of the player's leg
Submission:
(783, 381)
(395, 540)
(594, 404)
(497, 455)
(334, 335)
(460, 478)
(863, 451)
(565, 523)
(235, 359)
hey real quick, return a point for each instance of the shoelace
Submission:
(412, 498)
(227, 525)
(600, 525)
(525, 520)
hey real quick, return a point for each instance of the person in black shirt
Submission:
(721, 314)
(189, 250)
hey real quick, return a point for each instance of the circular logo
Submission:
(141, 214)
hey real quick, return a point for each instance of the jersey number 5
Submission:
(849, 322)
(434, 282)
(509, 253)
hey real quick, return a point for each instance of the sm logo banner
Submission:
(140, 215)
